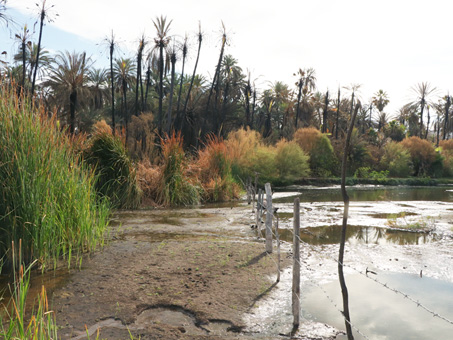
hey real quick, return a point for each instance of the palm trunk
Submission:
(23, 66)
(324, 113)
(139, 75)
(427, 123)
(421, 117)
(338, 114)
(253, 109)
(72, 109)
(112, 84)
(298, 103)
(447, 108)
(148, 79)
(247, 93)
(172, 85)
(41, 24)
(161, 84)
(200, 39)
(184, 55)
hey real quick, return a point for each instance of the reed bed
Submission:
(47, 195)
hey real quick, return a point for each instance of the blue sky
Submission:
(390, 45)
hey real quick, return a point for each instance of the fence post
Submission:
(258, 213)
(277, 236)
(269, 213)
(296, 265)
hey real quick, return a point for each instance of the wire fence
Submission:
(262, 208)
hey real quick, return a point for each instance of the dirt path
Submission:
(180, 274)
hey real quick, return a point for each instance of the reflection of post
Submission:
(296, 265)
(344, 289)
(269, 213)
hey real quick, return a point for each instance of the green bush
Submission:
(116, 176)
(263, 162)
(322, 157)
(291, 161)
(48, 199)
(397, 160)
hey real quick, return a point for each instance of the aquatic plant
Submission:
(116, 175)
(47, 195)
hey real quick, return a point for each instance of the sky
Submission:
(389, 44)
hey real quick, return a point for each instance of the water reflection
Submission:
(373, 193)
(359, 235)
(381, 314)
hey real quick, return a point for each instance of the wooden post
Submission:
(258, 213)
(269, 213)
(277, 236)
(296, 265)
(255, 191)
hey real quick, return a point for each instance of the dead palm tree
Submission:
(184, 50)
(68, 81)
(184, 112)
(43, 14)
(161, 42)
(25, 44)
(215, 82)
(306, 83)
(173, 57)
(423, 93)
(111, 42)
(138, 81)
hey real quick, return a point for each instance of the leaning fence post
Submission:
(269, 213)
(296, 265)
(248, 185)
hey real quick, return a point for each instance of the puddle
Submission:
(358, 235)
(382, 314)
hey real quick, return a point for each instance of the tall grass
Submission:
(14, 321)
(215, 172)
(174, 186)
(47, 196)
(116, 175)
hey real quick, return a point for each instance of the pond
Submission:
(380, 240)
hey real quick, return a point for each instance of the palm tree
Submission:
(172, 53)
(215, 81)
(161, 42)
(112, 43)
(98, 84)
(305, 84)
(423, 93)
(184, 50)
(324, 112)
(124, 70)
(42, 16)
(380, 101)
(141, 46)
(68, 81)
(200, 39)
(3, 16)
(25, 44)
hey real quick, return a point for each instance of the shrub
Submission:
(116, 175)
(291, 161)
(446, 150)
(263, 162)
(397, 160)
(307, 138)
(422, 154)
(47, 195)
(322, 157)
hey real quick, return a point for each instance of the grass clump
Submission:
(116, 175)
(215, 171)
(174, 186)
(47, 196)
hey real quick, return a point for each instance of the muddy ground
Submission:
(180, 274)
